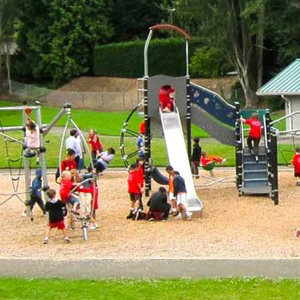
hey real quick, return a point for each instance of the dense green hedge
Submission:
(166, 57)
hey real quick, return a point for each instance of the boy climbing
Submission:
(254, 134)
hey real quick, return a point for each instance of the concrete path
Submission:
(151, 268)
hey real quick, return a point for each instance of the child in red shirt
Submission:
(135, 189)
(94, 141)
(140, 171)
(165, 100)
(69, 162)
(207, 160)
(66, 187)
(296, 164)
(254, 134)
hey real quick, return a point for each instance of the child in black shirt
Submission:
(55, 208)
(196, 155)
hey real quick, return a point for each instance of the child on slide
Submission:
(165, 100)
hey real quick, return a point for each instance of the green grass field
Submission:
(109, 126)
(217, 289)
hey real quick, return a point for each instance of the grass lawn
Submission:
(106, 123)
(109, 126)
(218, 289)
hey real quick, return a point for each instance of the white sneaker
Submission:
(223, 160)
(46, 240)
(24, 214)
(189, 215)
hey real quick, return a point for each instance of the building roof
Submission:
(287, 82)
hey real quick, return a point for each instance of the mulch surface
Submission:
(231, 226)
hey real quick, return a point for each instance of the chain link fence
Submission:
(108, 101)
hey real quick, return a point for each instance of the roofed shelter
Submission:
(287, 85)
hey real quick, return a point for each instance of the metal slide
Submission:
(178, 156)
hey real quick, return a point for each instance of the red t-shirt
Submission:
(164, 97)
(68, 165)
(296, 162)
(204, 161)
(140, 172)
(94, 141)
(143, 127)
(255, 128)
(66, 186)
(133, 182)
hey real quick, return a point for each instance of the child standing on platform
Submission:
(55, 208)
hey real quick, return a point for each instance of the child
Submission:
(181, 194)
(66, 187)
(296, 163)
(140, 171)
(165, 100)
(196, 155)
(135, 189)
(141, 146)
(55, 208)
(143, 128)
(32, 140)
(208, 160)
(35, 192)
(104, 159)
(69, 162)
(254, 134)
(94, 141)
(172, 198)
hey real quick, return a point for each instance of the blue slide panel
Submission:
(213, 104)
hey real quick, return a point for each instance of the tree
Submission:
(131, 19)
(8, 16)
(57, 37)
(235, 27)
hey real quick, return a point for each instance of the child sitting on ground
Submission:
(296, 164)
(35, 193)
(55, 208)
(135, 189)
(104, 159)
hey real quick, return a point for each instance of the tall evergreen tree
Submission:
(57, 37)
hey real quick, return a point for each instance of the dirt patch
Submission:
(231, 227)
(125, 85)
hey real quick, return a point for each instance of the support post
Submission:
(41, 154)
(54, 121)
(238, 149)
(274, 169)
(188, 118)
(147, 140)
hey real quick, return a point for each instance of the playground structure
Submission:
(26, 111)
(209, 111)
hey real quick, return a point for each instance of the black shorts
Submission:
(134, 197)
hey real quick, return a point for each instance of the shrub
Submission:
(209, 63)
(165, 56)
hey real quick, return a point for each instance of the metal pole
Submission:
(54, 121)
(147, 140)
(238, 149)
(188, 118)
(15, 128)
(11, 138)
(41, 153)
(18, 107)
(146, 73)
(187, 56)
